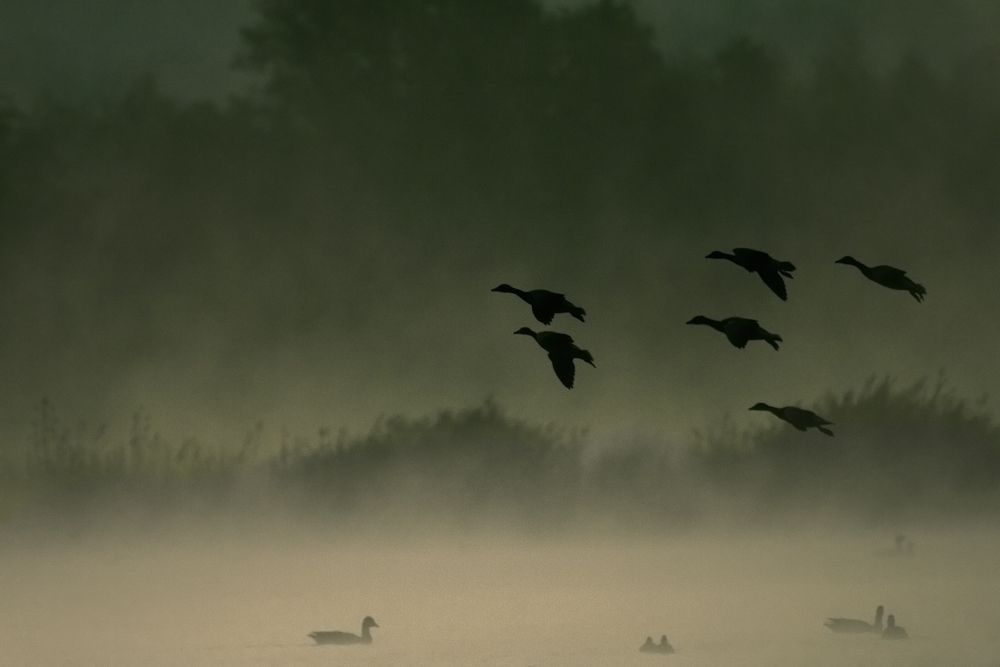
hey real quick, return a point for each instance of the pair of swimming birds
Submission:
(854, 625)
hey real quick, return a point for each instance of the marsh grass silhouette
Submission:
(916, 452)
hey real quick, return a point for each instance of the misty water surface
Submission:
(249, 597)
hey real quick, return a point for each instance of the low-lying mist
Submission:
(902, 456)
(474, 537)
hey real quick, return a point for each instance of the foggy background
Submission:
(256, 384)
(218, 267)
(226, 223)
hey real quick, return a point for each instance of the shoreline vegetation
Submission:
(902, 455)
(380, 154)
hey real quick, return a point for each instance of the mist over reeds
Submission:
(902, 456)
(318, 247)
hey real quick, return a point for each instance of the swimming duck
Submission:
(337, 637)
(663, 647)
(544, 304)
(855, 625)
(768, 268)
(800, 418)
(739, 330)
(888, 276)
(562, 351)
(893, 631)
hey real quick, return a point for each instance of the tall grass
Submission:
(900, 453)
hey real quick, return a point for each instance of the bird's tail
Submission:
(578, 313)
(823, 429)
(773, 340)
(918, 292)
(584, 355)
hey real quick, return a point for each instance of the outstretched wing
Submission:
(551, 340)
(736, 331)
(773, 280)
(751, 255)
(543, 312)
(564, 368)
(888, 271)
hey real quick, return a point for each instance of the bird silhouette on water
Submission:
(337, 637)
(562, 351)
(800, 418)
(663, 647)
(544, 304)
(893, 631)
(856, 625)
(888, 276)
(739, 330)
(768, 268)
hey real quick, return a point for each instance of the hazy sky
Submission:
(89, 48)
(436, 337)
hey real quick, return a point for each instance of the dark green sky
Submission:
(88, 47)
(428, 333)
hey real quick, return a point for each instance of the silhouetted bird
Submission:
(893, 631)
(544, 304)
(800, 418)
(337, 637)
(768, 268)
(663, 647)
(855, 625)
(562, 351)
(739, 330)
(887, 276)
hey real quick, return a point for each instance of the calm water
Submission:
(197, 600)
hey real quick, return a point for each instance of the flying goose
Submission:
(800, 418)
(887, 276)
(893, 631)
(544, 304)
(855, 625)
(768, 268)
(739, 330)
(562, 351)
(337, 637)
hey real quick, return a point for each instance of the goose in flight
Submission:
(544, 304)
(856, 625)
(888, 276)
(739, 330)
(800, 418)
(337, 637)
(562, 351)
(768, 268)
(893, 631)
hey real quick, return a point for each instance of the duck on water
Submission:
(663, 647)
(800, 418)
(544, 304)
(893, 631)
(856, 625)
(562, 351)
(768, 268)
(338, 637)
(739, 330)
